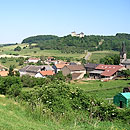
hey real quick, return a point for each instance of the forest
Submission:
(69, 44)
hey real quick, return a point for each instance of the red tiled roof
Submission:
(60, 66)
(49, 72)
(109, 70)
(4, 73)
(50, 58)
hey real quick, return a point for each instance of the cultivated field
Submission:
(102, 90)
(97, 55)
(9, 50)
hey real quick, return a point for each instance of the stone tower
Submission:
(123, 53)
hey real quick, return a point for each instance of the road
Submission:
(87, 57)
(9, 56)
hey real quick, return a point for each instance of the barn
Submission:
(122, 100)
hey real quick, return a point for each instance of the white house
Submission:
(33, 60)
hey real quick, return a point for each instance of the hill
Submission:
(69, 44)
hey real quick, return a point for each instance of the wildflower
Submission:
(113, 114)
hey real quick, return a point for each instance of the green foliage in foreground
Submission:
(60, 103)
(16, 116)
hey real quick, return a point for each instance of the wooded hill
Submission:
(71, 44)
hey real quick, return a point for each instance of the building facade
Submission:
(123, 57)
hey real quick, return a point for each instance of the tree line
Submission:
(69, 44)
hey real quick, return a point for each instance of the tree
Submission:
(83, 61)
(110, 60)
(11, 68)
(126, 73)
(18, 48)
(39, 63)
(17, 73)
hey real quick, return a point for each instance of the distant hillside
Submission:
(71, 44)
(39, 38)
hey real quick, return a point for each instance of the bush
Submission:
(14, 90)
(9, 82)
(18, 48)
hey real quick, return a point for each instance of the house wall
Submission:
(33, 61)
(38, 75)
(94, 76)
(81, 76)
(65, 71)
(22, 73)
(27, 73)
(127, 66)
(83, 71)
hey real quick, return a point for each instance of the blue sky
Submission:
(23, 18)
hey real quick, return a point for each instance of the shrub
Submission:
(18, 48)
(14, 90)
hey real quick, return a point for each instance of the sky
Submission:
(20, 19)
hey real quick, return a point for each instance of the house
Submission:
(77, 71)
(105, 71)
(90, 67)
(43, 74)
(50, 58)
(58, 67)
(123, 57)
(33, 60)
(32, 70)
(122, 100)
(4, 73)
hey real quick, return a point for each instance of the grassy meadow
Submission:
(36, 52)
(9, 50)
(15, 116)
(97, 55)
(102, 89)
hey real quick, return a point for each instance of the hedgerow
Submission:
(58, 99)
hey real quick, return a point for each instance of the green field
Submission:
(97, 55)
(102, 89)
(8, 50)
(36, 52)
(10, 61)
(14, 116)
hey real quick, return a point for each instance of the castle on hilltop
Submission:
(73, 34)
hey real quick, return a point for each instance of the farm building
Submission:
(122, 100)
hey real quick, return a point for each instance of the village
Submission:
(74, 70)
(64, 65)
